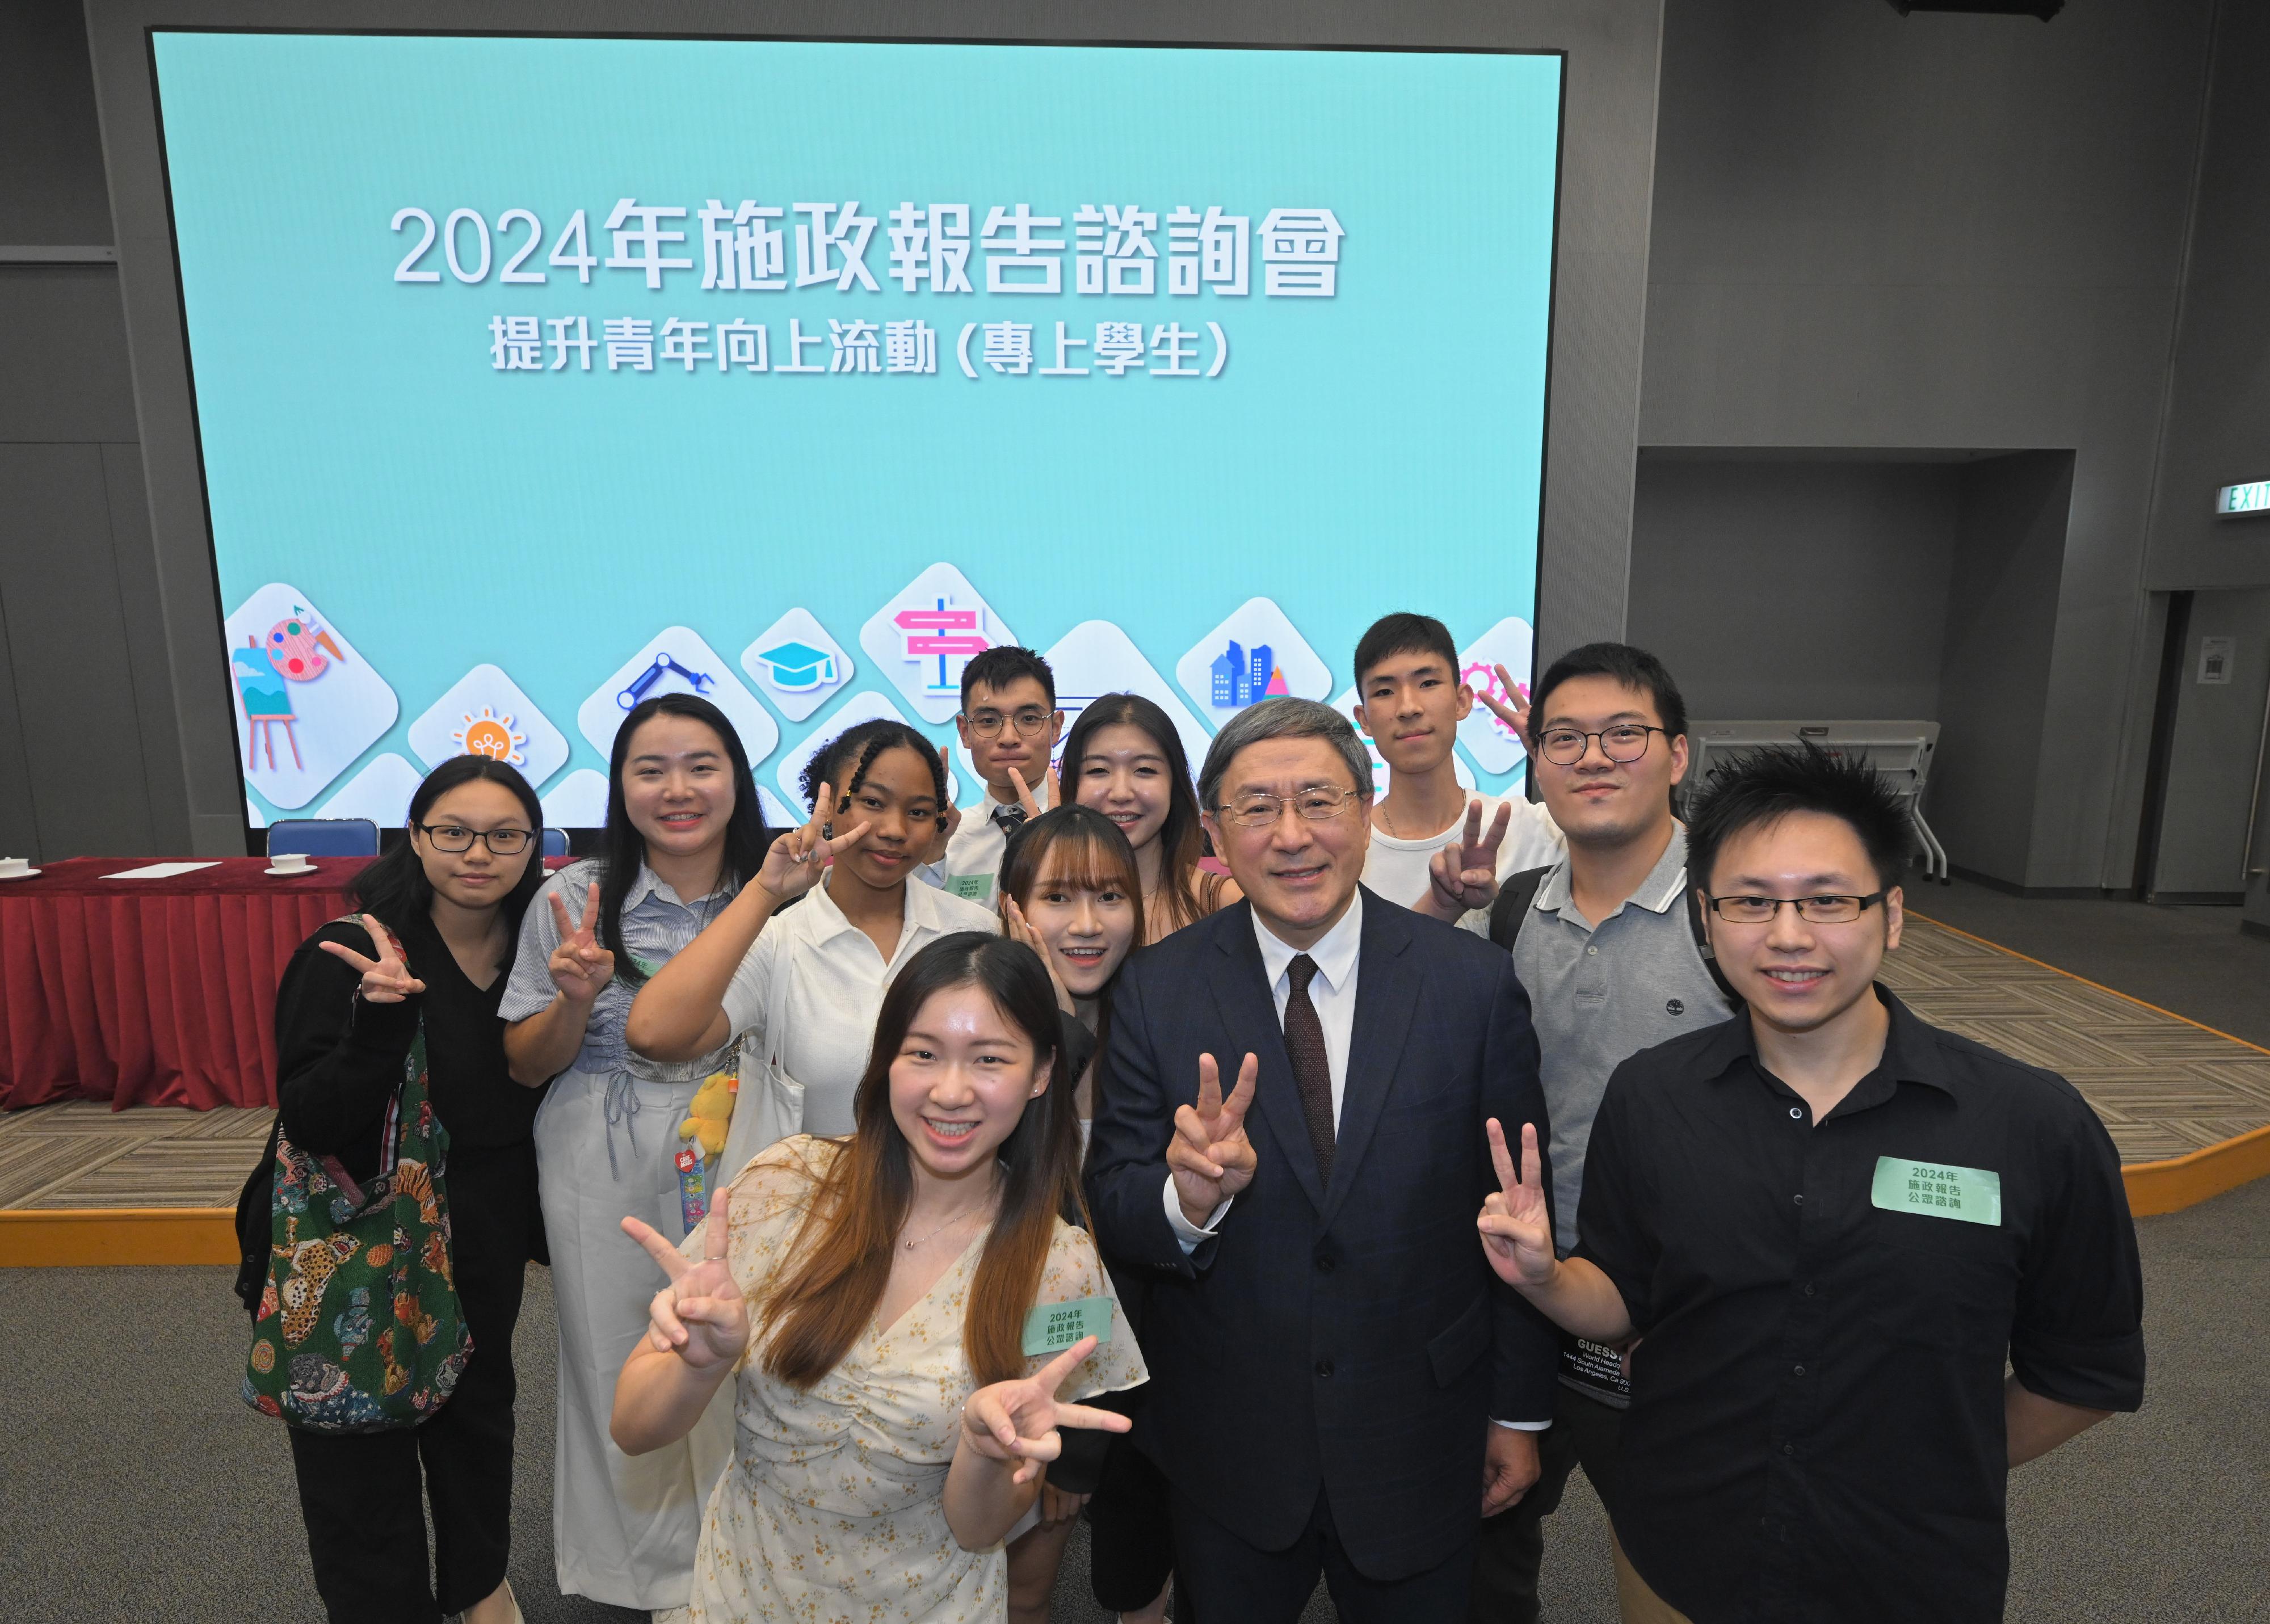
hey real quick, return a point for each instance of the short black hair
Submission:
(1764, 786)
(1404, 634)
(1000, 665)
(1633, 667)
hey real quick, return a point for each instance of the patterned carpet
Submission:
(2164, 1087)
(81, 1153)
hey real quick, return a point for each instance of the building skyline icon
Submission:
(1240, 678)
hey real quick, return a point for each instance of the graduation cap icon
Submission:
(798, 668)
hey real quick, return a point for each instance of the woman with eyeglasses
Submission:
(432, 948)
(685, 834)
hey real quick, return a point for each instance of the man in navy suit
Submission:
(1341, 1386)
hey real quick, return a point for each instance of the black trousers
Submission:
(360, 1493)
(1130, 1536)
(1229, 1579)
(1511, 1547)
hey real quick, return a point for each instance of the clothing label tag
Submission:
(976, 887)
(693, 1185)
(1972, 1194)
(1052, 1327)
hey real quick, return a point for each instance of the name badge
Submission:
(1052, 1327)
(1973, 1195)
(975, 887)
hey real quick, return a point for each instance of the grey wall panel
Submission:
(67, 653)
(1944, 230)
(2218, 734)
(51, 189)
(1609, 148)
(2219, 421)
(147, 656)
(20, 825)
(63, 370)
(1994, 675)
(1795, 588)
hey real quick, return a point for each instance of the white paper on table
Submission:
(161, 871)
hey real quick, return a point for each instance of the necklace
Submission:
(948, 1224)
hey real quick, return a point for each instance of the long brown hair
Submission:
(845, 1246)
(1182, 838)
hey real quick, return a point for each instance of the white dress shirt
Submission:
(975, 851)
(1332, 990)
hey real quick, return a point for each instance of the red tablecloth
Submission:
(152, 991)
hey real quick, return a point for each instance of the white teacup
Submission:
(297, 862)
(15, 865)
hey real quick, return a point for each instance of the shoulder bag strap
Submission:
(1511, 908)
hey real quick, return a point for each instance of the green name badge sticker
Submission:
(1972, 1194)
(1053, 1327)
(976, 887)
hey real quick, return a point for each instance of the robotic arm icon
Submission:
(663, 665)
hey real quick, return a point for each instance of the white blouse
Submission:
(836, 980)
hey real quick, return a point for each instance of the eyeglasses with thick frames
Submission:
(1622, 744)
(988, 724)
(454, 837)
(1260, 810)
(1812, 909)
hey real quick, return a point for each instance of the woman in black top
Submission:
(345, 1014)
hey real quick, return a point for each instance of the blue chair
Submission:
(555, 841)
(323, 837)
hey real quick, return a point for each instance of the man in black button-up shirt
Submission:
(1830, 1224)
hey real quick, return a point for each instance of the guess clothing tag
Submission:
(1972, 1195)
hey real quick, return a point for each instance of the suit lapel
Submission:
(1386, 997)
(1247, 1005)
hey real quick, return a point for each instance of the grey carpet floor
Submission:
(2193, 960)
(134, 1486)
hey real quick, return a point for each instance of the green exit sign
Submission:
(2237, 499)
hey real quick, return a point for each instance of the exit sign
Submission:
(2237, 499)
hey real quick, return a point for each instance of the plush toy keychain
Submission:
(709, 1116)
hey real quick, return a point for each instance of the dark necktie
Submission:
(1008, 819)
(1312, 1067)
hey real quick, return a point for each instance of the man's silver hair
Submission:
(1282, 718)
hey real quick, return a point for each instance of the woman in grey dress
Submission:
(684, 832)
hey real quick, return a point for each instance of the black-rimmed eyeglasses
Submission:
(1624, 743)
(455, 837)
(1812, 909)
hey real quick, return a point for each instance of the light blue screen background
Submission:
(1377, 450)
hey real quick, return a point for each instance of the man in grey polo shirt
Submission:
(1606, 947)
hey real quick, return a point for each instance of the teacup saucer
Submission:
(310, 869)
(21, 874)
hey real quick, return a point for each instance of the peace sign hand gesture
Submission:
(1464, 873)
(1050, 782)
(1210, 1156)
(1517, 1231)
(1018, 1421)
(385, 979)
(700, 1314)
(1513, 709)
(800, 858)
(579, 966)
(1020, 929)
(949, 823)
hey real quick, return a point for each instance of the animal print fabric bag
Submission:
(359, 1328)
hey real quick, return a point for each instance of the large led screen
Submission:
(533, 377)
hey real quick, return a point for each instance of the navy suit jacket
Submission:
(1351, 1336)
